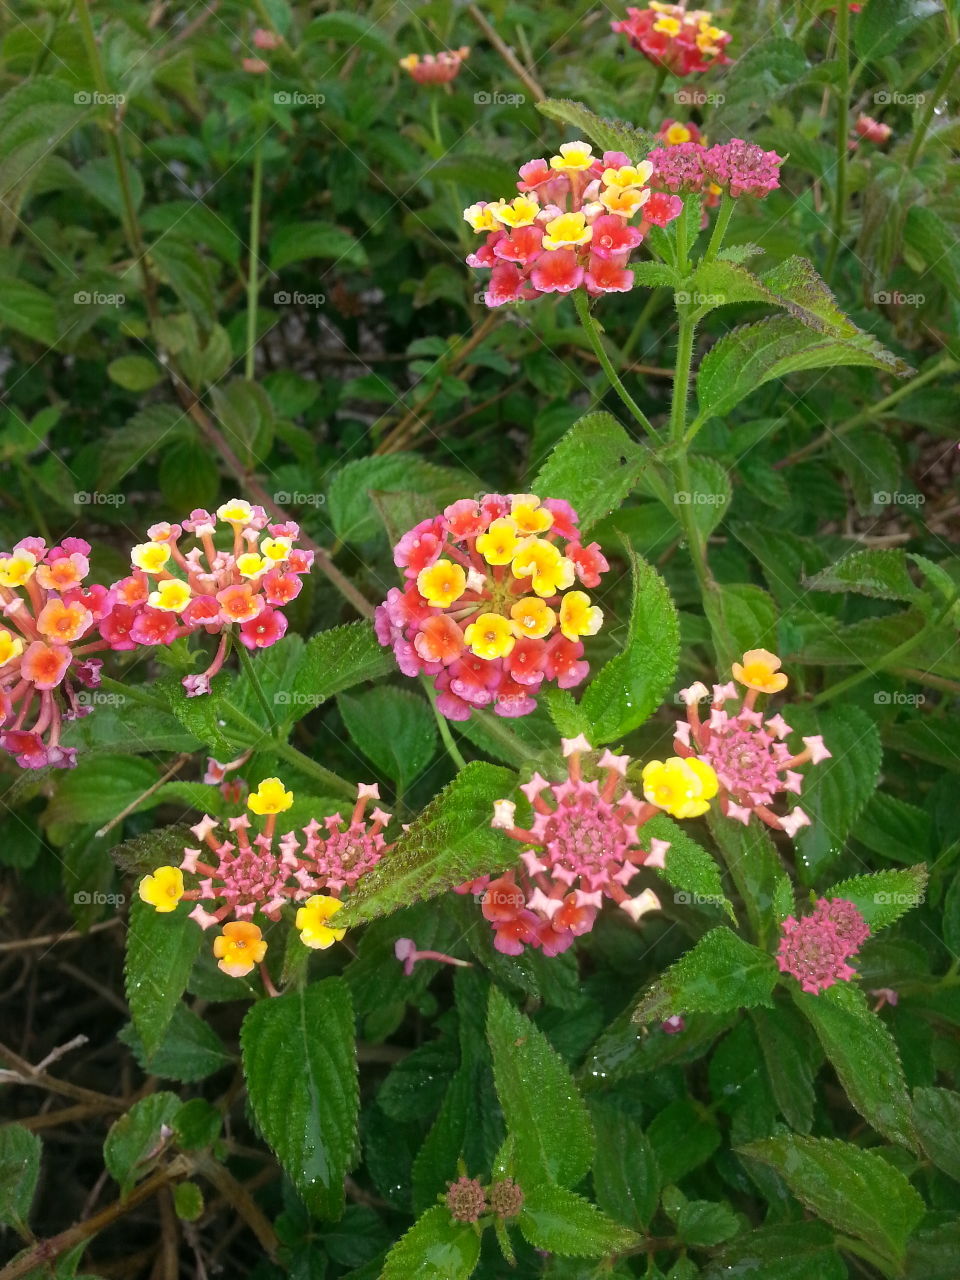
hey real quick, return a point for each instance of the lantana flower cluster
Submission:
(486, 610)
(737, 168)
(746, 749)
(173, 592)
(48, 633)
(235, 876)
(815, 949)
(570, 227)
(683, 41)
(435, 68)
(584, 845)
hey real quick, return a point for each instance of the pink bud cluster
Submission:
(736, 167)
(231, 591)
(435, 68)
(815, 949)
(683, 41)
(747, 752)
(47, 633)
(582, 846)
(579, 232)
(240, 875)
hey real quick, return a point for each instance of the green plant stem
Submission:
(681, 463)
(246, 662)
(649, 307)
(134, 692)
(253, 270)
(891, 658)
(582, 304)
(453, 751)
(724, 214)
(953, 61)
(287, 751)
(843, 129)
(651, 101)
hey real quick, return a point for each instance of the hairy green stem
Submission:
(843, 128)
(724, 214)
(681, 464)
(253, 269)
(953, 61)
(453, 751)
(582, 304)
(246, 662)
(647, 310)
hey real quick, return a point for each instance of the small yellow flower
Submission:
(151, 557)
(442, 583)
(276, 548)
(171, 596)
(239, 949)
(520, 212)
(628, 175)
(482, 217)
(490, 636)
(760, 671)
(548, 570)
(236, 512)
(409, 62)
(500, 543)
(684, 788)
(569, 229)
(163, 889)
(532, 617)
(270, 797)
(578, 617)
(573, 155)
(624, 201)
(250, 565)
(715, 189)
(676, 134)
(312, 920)
(668, 26)
(528, 515)
(18, 569)
(11, 646)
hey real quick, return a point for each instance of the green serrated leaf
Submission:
(629, 688)
(393, 728)
(136, 1138)
(743, 616)
(721, 972)
(937, 1116)
(338, 659)
(854, 1190)
(301, 240)
(562, 1222)
(543, 1111)
(688, 867)
(864, 1055)
(883, 896)
(447, 844)
(594, 466)
(299, 1062)
(610, 135)
(878, 572)
(626, 1181)
(435, 1248)
(190, 1050)
(161, 949)
(20, 1152)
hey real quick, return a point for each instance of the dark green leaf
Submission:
(562, 1222)
(393, 728)
(720, 972)
(883, 896)
(136, 1138)
(626, 1180)
(937, 1116)
(594, 466)
(160, 952)
(19, 1169)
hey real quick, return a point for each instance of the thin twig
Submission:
(52, 939)
(506, 53)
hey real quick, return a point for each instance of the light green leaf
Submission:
(688, 867)
(392, 727)
(744, 616)
(721, 972)
(20, 1152)
(301, 240)
(338, 659)
(856, 1191)
(136, 1138)
(190, 1050)
(28, 310)
(887, 26)
(299, 1061)
(878, 572)
(343, 26)
(564, 1223)
(435, 1248)
(628, 689)
(97, 790)
(796, 1251)
(161, 949)
(134, 373)
(447, 844)
(594, 466)
(792, 1058)
(865, 1057)
(349, 502)
(883, 896)
(543, 1111)
(608, 135)
(701, 1223)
